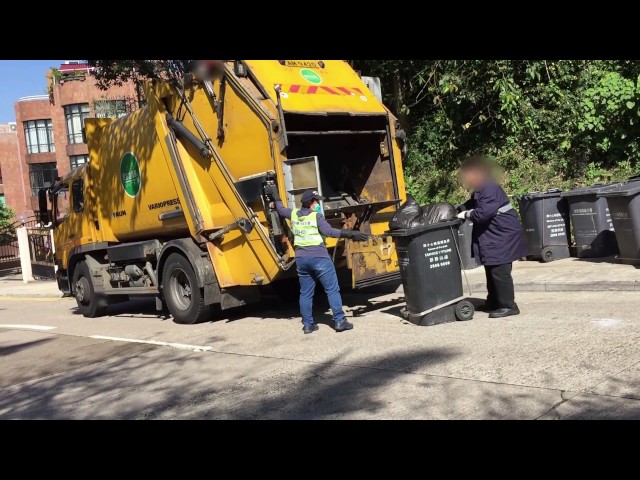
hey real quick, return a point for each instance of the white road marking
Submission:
(28, 327)
(180, 346)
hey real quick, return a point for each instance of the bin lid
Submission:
(590, 190)
(552, 192)
(407, 232)
(626, 189)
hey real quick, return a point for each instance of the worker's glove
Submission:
(272, 191)
(354, 235)
(464, 215)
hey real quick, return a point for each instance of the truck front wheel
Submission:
(89, 304)
(183, 296)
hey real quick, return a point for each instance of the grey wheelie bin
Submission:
(545, 219)
(430, 271)
(467, 260)
(591, 221)
(624, 205)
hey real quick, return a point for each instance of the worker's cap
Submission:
(311, 195)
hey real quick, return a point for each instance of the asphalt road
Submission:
(569, 355)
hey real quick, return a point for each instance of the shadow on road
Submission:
(270, 306)
(162, 383)
(11, 349)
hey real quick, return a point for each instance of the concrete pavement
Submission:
(569, 274)
(569, 355)
(13, 286)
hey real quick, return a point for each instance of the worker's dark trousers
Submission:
(500, 286)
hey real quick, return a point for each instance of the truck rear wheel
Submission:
(183, 296)
(88, 302)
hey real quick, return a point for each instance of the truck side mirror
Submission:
(43, 206)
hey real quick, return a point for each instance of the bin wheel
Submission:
(547, 255)
(464, 310)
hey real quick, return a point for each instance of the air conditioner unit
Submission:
(12, 126)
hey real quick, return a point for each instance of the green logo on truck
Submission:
(311, 76)
(130, 174)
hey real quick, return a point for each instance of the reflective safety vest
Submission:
(305, 229)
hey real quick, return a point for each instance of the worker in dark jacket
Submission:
(312, 258)
(498, 239)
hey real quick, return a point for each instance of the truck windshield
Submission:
(61, 203)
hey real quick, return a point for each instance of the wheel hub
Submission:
(82, 288)
(181, 289)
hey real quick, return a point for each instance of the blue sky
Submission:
(20, 78)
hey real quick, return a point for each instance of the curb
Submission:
(29, 295)
(604, 286)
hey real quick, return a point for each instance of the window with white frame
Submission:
(75, 115)
(38, 136)
(42, 175)
(76, 160)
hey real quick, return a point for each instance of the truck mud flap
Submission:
(239, 296)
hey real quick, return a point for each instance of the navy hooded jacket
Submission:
(497, 237)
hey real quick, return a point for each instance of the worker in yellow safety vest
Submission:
(312, 258)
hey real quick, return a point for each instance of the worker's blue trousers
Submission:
(310, 271)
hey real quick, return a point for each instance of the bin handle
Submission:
(464, 273)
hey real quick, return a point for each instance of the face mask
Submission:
(317, 207)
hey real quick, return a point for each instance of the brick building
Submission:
(9, 163)
(49, 131)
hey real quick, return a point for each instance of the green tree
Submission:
(115, 72)
(6, 216)
(549, 123)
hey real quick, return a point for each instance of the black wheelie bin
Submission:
(624, 205)
(545, 219)
(430, 271)
(593, 229)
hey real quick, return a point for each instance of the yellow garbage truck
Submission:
(172, 202)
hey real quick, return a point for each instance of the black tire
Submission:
(183, 297)
(547, 255)
(89, 304)
(464, 310)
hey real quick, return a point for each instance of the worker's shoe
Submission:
(343, 325)
(309, 328)
(487, 307)
(505, 312)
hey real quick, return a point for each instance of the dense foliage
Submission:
(548, 123)
(114, 72)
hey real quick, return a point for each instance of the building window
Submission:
(110, 108)
(42, 176)
(75, 115)
(77, 195)
(38, 135)
(76, 160)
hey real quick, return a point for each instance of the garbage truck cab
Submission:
(172, 201)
